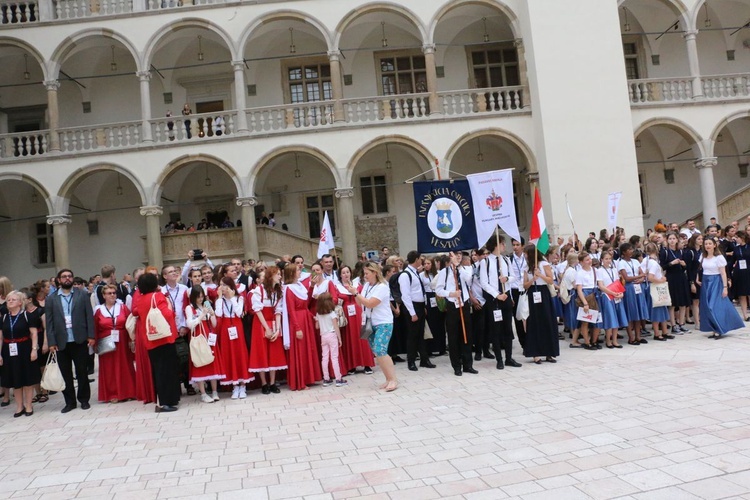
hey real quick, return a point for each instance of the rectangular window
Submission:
(310, 83)
(631, 61)
(45, 244)
(374, 195)
(403, 72)
(316, 206)
(495, 67)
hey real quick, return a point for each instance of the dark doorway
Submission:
(216, 218)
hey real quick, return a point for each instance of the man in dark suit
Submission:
(70, 333)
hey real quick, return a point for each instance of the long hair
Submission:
(195, 293)
(325, 304)
(290, 274)
(717, 252)
(532, 254)
(374, 268)
(273, 290)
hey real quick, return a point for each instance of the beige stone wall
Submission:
(373, 233)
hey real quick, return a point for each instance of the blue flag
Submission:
(445, 216)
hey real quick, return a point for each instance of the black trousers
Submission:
(397, 344)
(459, 349)
(436, 321)
(165, 373)
(501, 332)
(415, 337)
(482, 336)
(520, 330)
(78, 354)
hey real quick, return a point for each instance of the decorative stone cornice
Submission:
(334, 55)
(428, 48)
(238, 65)
(143, 75)
(518, 43)
(56, 219)
(247, 201)
(532, 177)
(52, 84)
(151, 210)
(690, 34)
(709, 162)
(344, 192)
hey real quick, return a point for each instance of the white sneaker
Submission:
(206, 398)
(236, 392)
(215, 396)
(243, 392)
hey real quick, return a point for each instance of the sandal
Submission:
(35, 399)
(633, 342)
(43, 398)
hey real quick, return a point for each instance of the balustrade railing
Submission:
(393, 107)
(193, 127)
(75, 9)
(660, 90)
(304, 115)
(114, 135)
(24, 144)
(174, 4)
(723, 86)
(497, 99)
(19, 12)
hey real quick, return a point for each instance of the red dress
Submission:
(265, 355)
(231, 340)
(144, 382)
(116, 369)
(304, 362)
(355, 351)
(211, 371)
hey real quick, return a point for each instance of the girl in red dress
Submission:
(201, 320)
(267, 349)
(355, 351)
(229, 311)
(144, 381)
(299, 333)
(116, 370)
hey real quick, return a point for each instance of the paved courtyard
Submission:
(665, 420)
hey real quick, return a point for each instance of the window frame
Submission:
(639, 56)
(471, 49)
(395, 54)
(374, 189)
(50, 237)
(287, 64)
(320, 209)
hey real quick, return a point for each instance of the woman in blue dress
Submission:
(717, 313)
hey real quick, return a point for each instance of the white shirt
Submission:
(426, 282)
(229, 308)
(447, 283)
(542, 266)
(380, 314)
(488, 274)
(325, 322)
(630, 267)
(569, 278)
(260, 299)
(476, 285)
(654, 268)
(177, 296)
(587, 279)
(518, 268)
(607, 275)
(712, 265)
(411, 289)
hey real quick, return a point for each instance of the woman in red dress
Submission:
(144, 381)
(229, 311)
(201, 319)
(267, 349)
(355, 351)
(116, 370)
(299, 333)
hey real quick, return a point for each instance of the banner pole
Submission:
(499, 266)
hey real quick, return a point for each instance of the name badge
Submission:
(638, 289)
(743, 264)
(212, 339)
(617, 301)
(537, 297)
(433, 302)
(68, 321)
(498, 315)
(364, 319)
(115, 335)
(232, 331)
(13, 349)
(351, 310)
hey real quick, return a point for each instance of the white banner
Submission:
(492, 194)
(326, 237)
(613, 205)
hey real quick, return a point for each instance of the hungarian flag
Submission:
(538, 234)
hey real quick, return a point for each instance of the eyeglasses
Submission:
(109, 293)
(62, 277)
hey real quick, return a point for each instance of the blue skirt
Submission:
(613, 315)
(586, 293)
(570, 311)
(659, 314)
(635, 303)
(557, 306)
(717, 312)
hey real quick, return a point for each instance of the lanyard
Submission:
(611, 275)
(369, 290)
(173, 298)
(632, 268)
(272, 298)
(112, 315)
(671, 253)
(523, 263)
(13, 323)
(68, 301)
(231, 307)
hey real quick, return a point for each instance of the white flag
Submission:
(613, 205)
(326, 237)
(492, 194)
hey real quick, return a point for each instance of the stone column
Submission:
(249, 231)
(431, 70)
(153, 234)
(347, 229)
(239, 95)
(144, 77)
(523, 71)
(337, 82)
(695, 72)
(54, 114)
(59, 223)
(705, 168)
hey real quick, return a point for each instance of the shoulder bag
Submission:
(105, 345)
(660, 295)
(130, 325)
(52, 379)
(157, 326)
(366, 331)
(200, 351)
(590, 298)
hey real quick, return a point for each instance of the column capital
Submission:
(143, 76)
(709, 162)
(334, 55)
(151, 210)
(238, 65)
(56, 219)
(532, 177)
(518, 43)
(247, 201)
(690, 34)
(52, 84)
(347, 192)
(428, 48)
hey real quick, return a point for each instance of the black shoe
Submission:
(426, 364)
(412, 366)
(457, 372)
(274, 389)
(500, 364)
(512, 362)
(67, 408)
(85, 406)
(19, 414)
(4, 404)
(265, 389)
(478, 356)
(470, 370)
(488, 355)
(644, 341)
(352, 371)
(190, 390)
(368, 370)
(397, 359)
(167, 408)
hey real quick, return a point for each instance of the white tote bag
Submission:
(157, 327)
(52, 379)
(522, 311)
(660, 295)
(200, 351)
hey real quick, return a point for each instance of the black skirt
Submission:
(679, 287)
(741, 282)
(19, 371)
(541, 326)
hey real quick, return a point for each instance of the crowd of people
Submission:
(242, 325)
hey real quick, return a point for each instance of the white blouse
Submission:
(586, 278)
(607, 275)
(630, 267)
(712, 265)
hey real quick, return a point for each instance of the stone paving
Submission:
(664, 420)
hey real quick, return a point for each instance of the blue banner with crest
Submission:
(445, 216)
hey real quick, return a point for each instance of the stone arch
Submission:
(68, 44)
(178, 162)
(385, 139)
(188, 22)
(78, 175)
(720, 126)
(378, 7)
(316, 153)
(21, 44)
(281, 15)
(519, 143)
(17, 176)
(681, 128)
(682, 11)
(495, 4)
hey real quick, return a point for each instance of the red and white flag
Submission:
(326, 237)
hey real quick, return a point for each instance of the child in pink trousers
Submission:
(327, 322)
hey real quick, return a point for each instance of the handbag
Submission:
(130, 325)
(522, 310)
(105, 345)
(200, 351)
(157, 327)
(660, 295)
(552, 290)
(590, 301)
(341, 316)
(366, 331)
(564, 295)
(52, 379)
